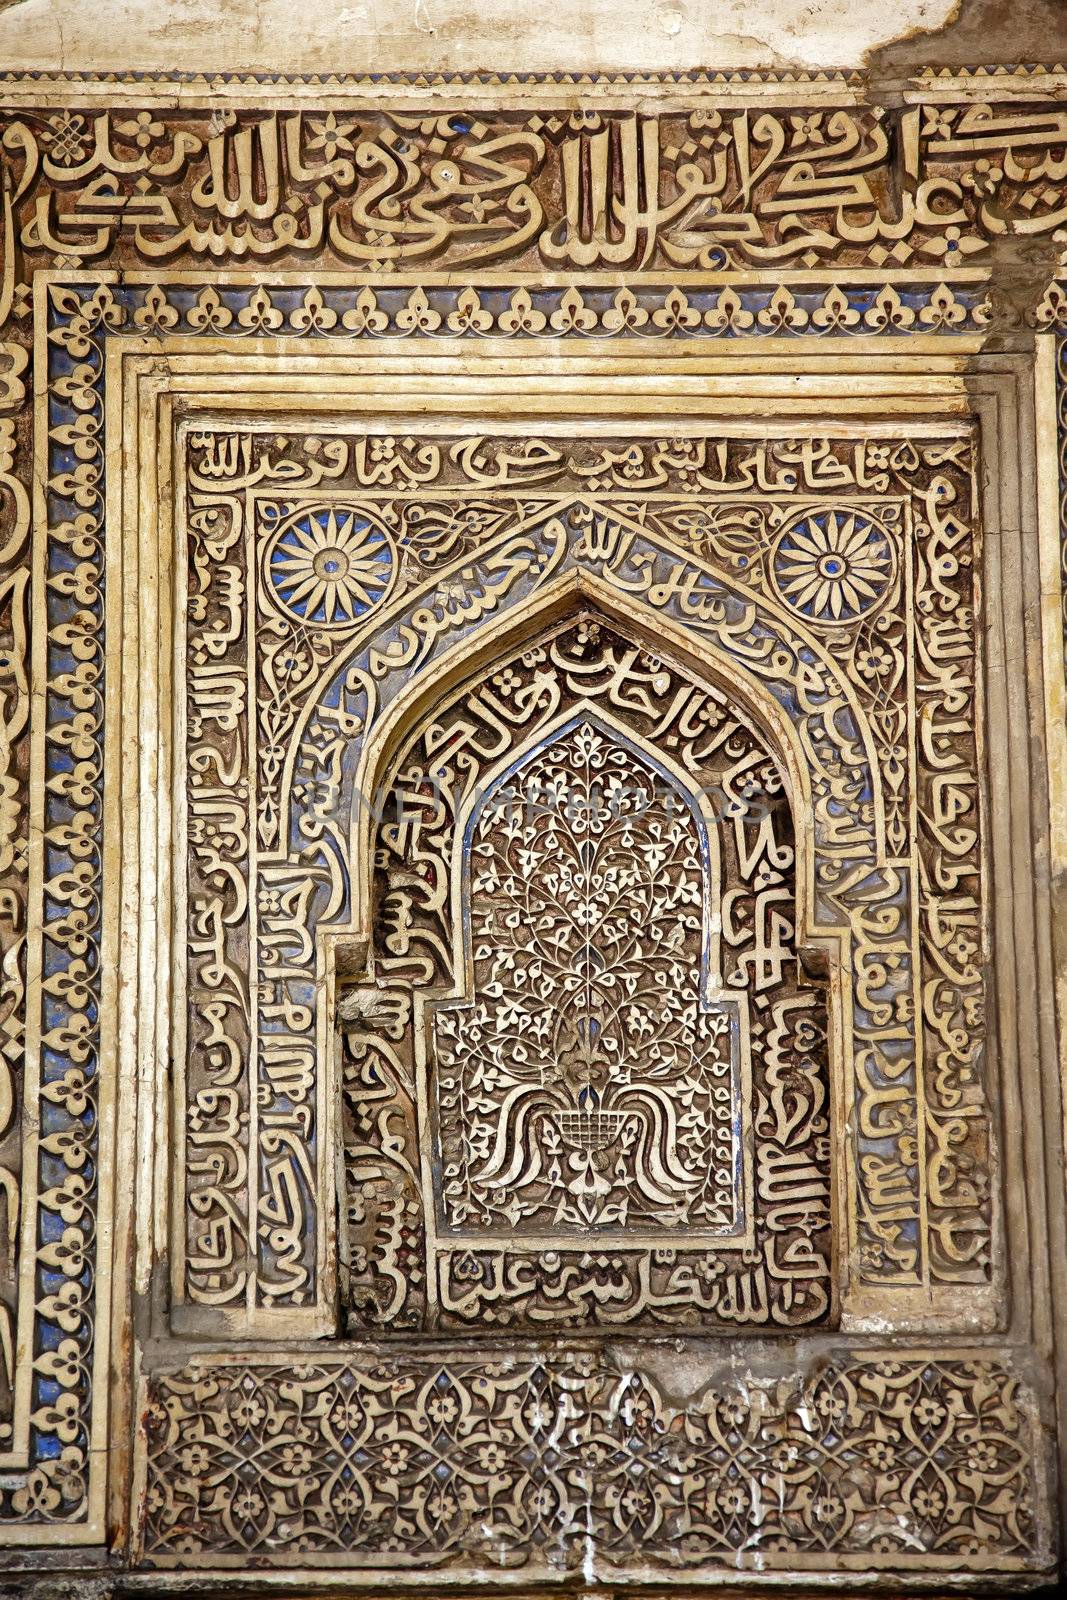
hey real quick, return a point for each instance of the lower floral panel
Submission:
(547, 1466)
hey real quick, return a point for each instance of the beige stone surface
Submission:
(434, 35)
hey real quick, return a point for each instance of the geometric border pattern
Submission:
(889, 1462)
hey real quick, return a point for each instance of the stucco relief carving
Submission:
(617, 912)
(589, 189)
(413, 1463)
(794, 563)
(770, 635)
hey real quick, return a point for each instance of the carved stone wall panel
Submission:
(779, 635)
(839, 574)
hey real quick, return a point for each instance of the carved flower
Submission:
(291, 662)
(636, 1501)
(187, 1545)
(784, 1456)
(732, 1411)
(537, 1416)
(873, 662)
(247, 1504)
(833, 1407)
(878, 1453)
(345, 1501)
(330, 136)
(808, 130)
(249, 1411)
(155, 1499)
(541, 1501)
(143, 130)
(194, 1459)
(982, 1458)
(330, 568)
(347, 1415)
(928, 1502)
(637, 1410)
(962, 948)
(491, 1458)
(441, 1505)
(833, 566)
(983, 178)
(928, 1413)
(394, 1458)
(591, 1456)
(733, 1499)
(296, 1459)
(938, 122)
(442, 1409)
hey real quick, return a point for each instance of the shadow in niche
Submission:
(585, 1074)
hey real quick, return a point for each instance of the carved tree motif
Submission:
(590, 1082)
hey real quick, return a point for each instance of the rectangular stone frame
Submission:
(863, 1299)
(947, 375)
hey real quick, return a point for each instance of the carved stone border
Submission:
(401, 1466)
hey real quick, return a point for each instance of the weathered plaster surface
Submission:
(415, 35)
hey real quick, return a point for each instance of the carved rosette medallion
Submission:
(326, 569)
(833, 568)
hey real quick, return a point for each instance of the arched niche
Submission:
(851, 901)
(655, 1172)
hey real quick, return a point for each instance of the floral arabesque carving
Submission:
(92, 214)
(596, 1085)
(885, 1462)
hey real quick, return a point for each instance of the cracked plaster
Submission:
(347, 35)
